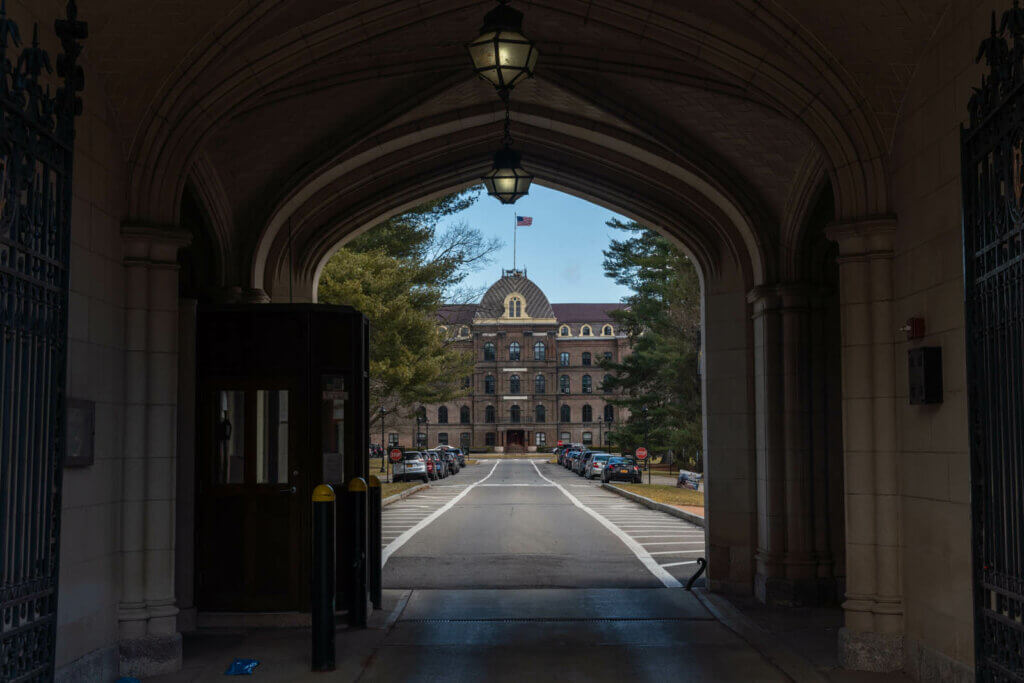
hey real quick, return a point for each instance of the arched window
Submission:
(565, 413)
(563, 384)
(489, 414)
(585, 331)
(607, 331)
(442, 415)
(563, 331)
(587, 384)
(609, 413)
(464, 415)
(514, 385)
(588, 414)
(489, 384)
(606, 383)
(488, 351)
(513, 351)
(538, 351)
(514, 414)
(585, 359)
(463, 331)
(540, 384)
(539, 414)
(515, 307)
(563, 358)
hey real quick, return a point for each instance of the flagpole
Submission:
(515, 234)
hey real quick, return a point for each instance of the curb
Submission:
(654, 505)
(403, 494)
(771, 648)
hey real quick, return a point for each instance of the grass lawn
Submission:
(393, 488)
(666, 494)
(472, 461)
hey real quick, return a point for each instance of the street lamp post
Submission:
(383, 449)
(646, 438)
(419, 432)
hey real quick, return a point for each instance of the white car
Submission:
(412, 466)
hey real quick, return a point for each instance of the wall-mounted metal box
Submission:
(924, 367)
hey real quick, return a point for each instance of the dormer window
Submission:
(585, 331)
(607, 331)
(515, 307)
(563, 331)
(463, 331)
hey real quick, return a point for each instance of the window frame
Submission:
(515, 351)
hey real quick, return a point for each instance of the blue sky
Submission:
(561, 252)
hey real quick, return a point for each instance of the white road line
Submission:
(676, 552)
(390, 549)
(638, 550)
(679, 564)
(539, 486)
(671, 542)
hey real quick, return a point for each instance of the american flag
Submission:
(524, 221)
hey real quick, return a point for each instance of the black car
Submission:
(621, 469)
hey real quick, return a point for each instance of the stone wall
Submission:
(932, 441)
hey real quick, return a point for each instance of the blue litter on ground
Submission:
(242, 667)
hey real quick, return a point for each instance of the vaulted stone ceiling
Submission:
(269, 93)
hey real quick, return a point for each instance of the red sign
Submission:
(641, 453)
(395, 455)
(560, 443)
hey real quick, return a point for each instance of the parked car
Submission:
(432, 470)
(451, 461)
(461, 455)
(618, 468)
(595, 465)
(440, 466)
(412, 466)
(579, 461)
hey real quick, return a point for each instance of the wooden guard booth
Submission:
(281, 403)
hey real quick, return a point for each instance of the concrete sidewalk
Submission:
(504, 635)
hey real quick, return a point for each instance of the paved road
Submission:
(528, 524)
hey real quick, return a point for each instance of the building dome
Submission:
(517, 294)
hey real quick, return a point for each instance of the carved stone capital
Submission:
(866, 238)
(153, 245)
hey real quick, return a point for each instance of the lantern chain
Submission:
(507, 138)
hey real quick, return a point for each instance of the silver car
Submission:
(595, 465)
(412, 466)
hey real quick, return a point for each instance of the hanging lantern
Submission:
(507, 181)
(501, 54)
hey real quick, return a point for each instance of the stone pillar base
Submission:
(150, 656)
(780, 592)
(867, 651)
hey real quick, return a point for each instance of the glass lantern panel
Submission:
(481, 51)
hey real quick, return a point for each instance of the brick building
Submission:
(536, 379)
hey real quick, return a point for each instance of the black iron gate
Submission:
(992, 155)
(36, 145)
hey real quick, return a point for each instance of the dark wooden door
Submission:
(253, 496)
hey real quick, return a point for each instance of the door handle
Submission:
(287, 491)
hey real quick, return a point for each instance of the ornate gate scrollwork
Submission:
(992, 157)
(36, 148)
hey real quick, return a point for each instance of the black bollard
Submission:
(323, 578)
(374, 519)
(358, 612)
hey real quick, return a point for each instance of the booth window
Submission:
(231, 437)
(271, 437)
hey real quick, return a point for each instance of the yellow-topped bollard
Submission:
(357, 485)
(375, 544)
(323, 493)
(323, 583)
(357, 544)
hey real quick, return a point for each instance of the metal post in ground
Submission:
(356, 591)
(322, 588)
(374, 554)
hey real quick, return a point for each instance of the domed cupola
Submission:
(515, 298)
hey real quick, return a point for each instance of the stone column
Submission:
(792, 566)
(149, 640)
(872, 639)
